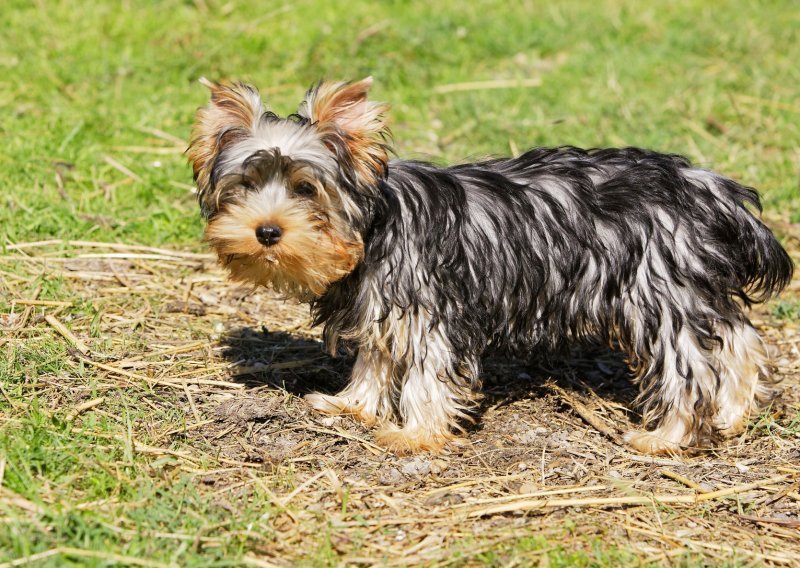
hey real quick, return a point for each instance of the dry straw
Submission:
(225, 396)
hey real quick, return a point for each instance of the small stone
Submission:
(438, 466)
(417, 466)
(524, 438)
(390, 476)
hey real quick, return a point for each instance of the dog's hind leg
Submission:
(679, 385)
(745, 381)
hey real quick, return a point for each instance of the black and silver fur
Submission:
(636, 248)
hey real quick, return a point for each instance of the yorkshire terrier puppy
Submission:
(423, 268)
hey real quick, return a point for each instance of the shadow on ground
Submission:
(299, 365)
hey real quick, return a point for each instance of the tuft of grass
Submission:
(788, 309)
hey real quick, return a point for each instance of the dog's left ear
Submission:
(352, 126)
(232, 113)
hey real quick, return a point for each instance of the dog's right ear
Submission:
(232, 114)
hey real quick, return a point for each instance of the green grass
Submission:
(81, 82)
(787, 309)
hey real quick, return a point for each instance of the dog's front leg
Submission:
(367, 397)
(436, 392)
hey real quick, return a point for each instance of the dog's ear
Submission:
(352, 126)
(232, 114)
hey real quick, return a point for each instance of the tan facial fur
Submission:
(318, 245)
(309, 257)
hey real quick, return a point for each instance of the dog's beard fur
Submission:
(423, 269)
(313, 251)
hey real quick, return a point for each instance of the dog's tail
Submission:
(764, 267)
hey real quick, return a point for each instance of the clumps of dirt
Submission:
(248, 409)
(544, 456)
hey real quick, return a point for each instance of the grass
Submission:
(98, 99)
(83, 81)
(787, 309)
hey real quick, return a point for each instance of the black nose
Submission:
(268, 235)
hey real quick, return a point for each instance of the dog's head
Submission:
(286, 199)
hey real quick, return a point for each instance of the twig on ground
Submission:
(83, 408)
(528, 504)
(67, 334)
(587, 414)
(488, 85)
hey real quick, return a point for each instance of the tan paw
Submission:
(737, 428)
(651, 443)
(404, 441)
(338, 406)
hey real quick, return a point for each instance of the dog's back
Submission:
(564, 236)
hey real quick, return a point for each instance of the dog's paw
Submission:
(338, 406)
(651, 443)
(404, 441)
(729, 430)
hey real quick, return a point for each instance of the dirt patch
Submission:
(543, 459)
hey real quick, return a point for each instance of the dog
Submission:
(422, 269)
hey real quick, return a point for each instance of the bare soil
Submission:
(544, 459)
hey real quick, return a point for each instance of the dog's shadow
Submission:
(590, 374)
(298, 365)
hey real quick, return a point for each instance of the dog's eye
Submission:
(248, 185)
(304, 189)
